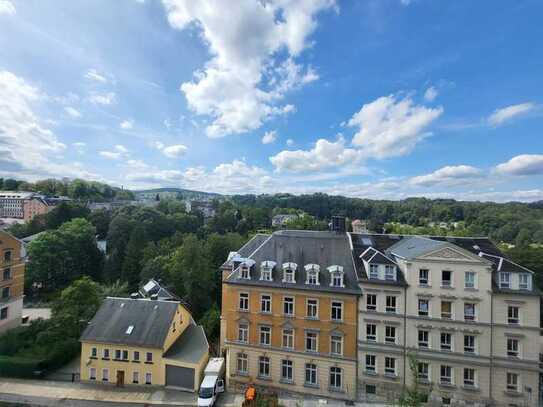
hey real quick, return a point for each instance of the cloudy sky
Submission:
(367, 98)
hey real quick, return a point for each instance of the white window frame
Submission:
(468, 317)
(511, 318)
(336, 373)
(513, 347)
(105, 375)
(423, 332)
(335, 308)
(470, 381)
(368, 305)
(264, 361)
(390, 272)
(422, 279)
(444, 378)
(287, 338)
(266, 272)
(135, 377)
(266, 303)
(444, 283)
(444, 345)
(336, 345)
(446, 315)
(390, 366)
(389, 308)
(312, 272)
(424, 373)
(287, 366)
(245, 271)
(527, 285)
(470, 283)
(512, 385)
(423, 300)
(243, 333)
(374, 271)
(242, 363)
(148, 378)
(390, 338)
(337, 277)
(312, 303)
(289, 273)
(373, 336)
(92, 373)
(245, 298)
(470, 349)
(311, 371)
(370, 367)
(314, 339)
(264, 335)
(505, 279)
(288, 305)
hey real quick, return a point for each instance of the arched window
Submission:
(312, 274)
(289, 272)
(336, 276)
(7, 255)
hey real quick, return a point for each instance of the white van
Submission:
(213, 383)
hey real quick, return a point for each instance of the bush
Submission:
(14, 366)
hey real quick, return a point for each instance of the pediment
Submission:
(447, 253)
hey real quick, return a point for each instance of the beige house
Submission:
(12, 273)
(144, 342)
(469, 315)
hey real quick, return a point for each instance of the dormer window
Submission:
(505, 280)
(524, 281)
(390, 272)
(266, 268)
(336, 276)
(374, 271)
(289, 272)
(312, 274)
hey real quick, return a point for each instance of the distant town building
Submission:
(26, 205)
(144, 342)
(283, 219)
(12, 266)
(108, 206)
(155, 288)
(204, 207)
(360, 226)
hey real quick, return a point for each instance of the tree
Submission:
(413, 396)
(211, 322)
(192, 275)
(76, 306)
(57, 258)
(101, 220)
(131, 268)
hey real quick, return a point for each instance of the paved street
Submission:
(59, 393)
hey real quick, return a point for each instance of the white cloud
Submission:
(7, 7)
(102, 98)
(246, 44)
(431, 94)
(175, 151)
(405, 2)
(269, 137)
(127, 124)
(388, 127)
(525, 164)
(325, 154)
(72, 112)
(28, 150)
(500, 116)
(93, 75)
(448, 175)
(289, 142)
(118, 152)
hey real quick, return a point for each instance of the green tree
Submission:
(101, 220)
(413, 395)
(76, 306)
(131, 268)
(211, 322)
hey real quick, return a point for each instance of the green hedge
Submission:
(14, 366)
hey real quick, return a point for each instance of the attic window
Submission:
(266, 268)
(336, 276)
(245, 271)
(129, 329)
(312, 274)
(289, 272)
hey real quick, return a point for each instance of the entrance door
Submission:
(120, 378)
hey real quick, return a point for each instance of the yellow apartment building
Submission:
(144, 342)
(12, 265)
(289, 314)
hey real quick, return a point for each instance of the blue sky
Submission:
(367, 98)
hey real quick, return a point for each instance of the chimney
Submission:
(134, 296)
(338, 224)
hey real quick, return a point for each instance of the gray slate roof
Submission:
(302, 247)
(415, 246)
(151, 320)
(190, 346)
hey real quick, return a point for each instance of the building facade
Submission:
(12, 266)
(470, 319)
(137, 341)
(289, 314)
(12, 203)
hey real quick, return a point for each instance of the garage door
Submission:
(180, 377)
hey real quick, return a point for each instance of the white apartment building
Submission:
(12, 203)
(470, 316)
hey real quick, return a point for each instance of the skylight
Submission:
(129, 329)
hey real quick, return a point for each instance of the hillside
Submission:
(179, 193)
